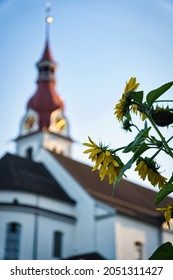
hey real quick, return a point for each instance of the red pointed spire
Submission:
(45, 100)
(47, 54)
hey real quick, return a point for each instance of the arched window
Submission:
(57, 244)
(12, 243)
(138, 250)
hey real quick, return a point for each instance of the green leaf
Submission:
(141, 136)
(136, 96)
(141, 149)
(164, 252)
(145, 125)
(153, 95)
(163, 193)
(171, 179)
(125, 167)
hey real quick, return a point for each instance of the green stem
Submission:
(156, 154)
(136, 127)
(116, 150)
(170, 139)
(163, 101)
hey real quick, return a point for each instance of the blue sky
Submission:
(98, 45)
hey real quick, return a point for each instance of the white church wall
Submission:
(46, 230)
(44, 139)
(167, 234)
(128, 231)
(103, 209)
(31, 141)
(26, 221)
(39, 228)
(22, 198)
(105, 236)
(58, 206)
(105, 220)
(37, 200)
(27, 236)
(85, 227)
(84, 210)
(57, 143)
(46, 225)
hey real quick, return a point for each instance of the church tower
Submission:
(44, 124)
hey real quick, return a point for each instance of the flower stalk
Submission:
(109, 164)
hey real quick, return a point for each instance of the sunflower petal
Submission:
(95, 152)
(87, 144)
(92, 142)
(88, 151)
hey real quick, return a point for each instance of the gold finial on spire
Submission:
(49, 19)
(48, 6)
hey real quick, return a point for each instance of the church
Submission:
(53, 207)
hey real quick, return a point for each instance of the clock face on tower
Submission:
(60, 123)
(29, 122)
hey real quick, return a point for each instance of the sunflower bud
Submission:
(126, 125)
(162, 116)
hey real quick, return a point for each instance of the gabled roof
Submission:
(50, 132)
(128, 198)
(22, 174)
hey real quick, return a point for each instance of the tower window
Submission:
(15, 201)
(57, 244)
(12, 241)
(29, 153)
(138, 250)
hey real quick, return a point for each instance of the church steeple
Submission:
(46, 65)
(45, 109)
(46, 99)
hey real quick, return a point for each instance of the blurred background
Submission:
(98, 46)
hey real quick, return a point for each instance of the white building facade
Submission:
(53, 207)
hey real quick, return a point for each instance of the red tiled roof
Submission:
(128, 198)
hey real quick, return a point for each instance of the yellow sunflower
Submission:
(104, 161)
(122, 107)
(168, 212)
(131, 85)
(135, 110)
(147, 169)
